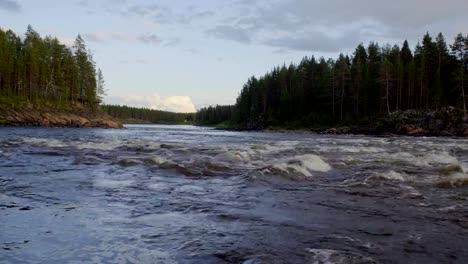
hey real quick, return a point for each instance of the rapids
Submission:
(184, 194)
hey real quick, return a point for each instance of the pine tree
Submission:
(101, 90)
(460, 51)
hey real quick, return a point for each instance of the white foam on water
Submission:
(158, 187)
(52, 143)
(440, 158)
(426, 160)
(110, 145)
(112, 184)
(234, 156)
(350, 149)
(457, 179)
(191, 189)
(391, 175)
(304, 164)
(158, 160)
(331, 256)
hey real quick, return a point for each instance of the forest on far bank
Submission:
(373, 81)
(128, 114)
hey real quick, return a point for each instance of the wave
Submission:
(391, 175)
(51, 143)
(459, 179)
(112, 184)
(304, 164)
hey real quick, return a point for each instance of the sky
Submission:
(182, 55)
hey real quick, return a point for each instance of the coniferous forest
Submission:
(43, 71)
(127, 113)
(373, 81)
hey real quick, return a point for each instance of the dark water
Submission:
(180, 194)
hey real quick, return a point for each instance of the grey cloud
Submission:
(314, 41)
(172, 42)
(83, 3)
(189, 17)
(228, 32)
(329, 26)
(107, 36)
(94, 36)
(157, 13)
(150, 39)
(164, 15)
(10, 5)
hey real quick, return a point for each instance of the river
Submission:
(184, 194)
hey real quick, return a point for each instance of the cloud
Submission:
(179, 104)
(107, 36)
(10, 5)
(329, 26)
(149, 39)
(69, 42)
(228, 32)
(120, 36)
(83, 3)
(164, 15)
(172, 42)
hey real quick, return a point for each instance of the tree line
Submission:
(43, 70)
(373, 81)
(150, 115)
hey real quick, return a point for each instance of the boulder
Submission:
(417, 132)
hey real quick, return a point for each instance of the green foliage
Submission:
(154, 116)
(351, 90)
(44, 72)
(215, 115)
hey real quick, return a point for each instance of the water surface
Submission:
(183, 194)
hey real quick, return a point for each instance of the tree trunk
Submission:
(387, 93)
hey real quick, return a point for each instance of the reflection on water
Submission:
(183, 194)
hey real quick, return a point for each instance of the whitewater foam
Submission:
(391, 175)
(112, 184)
(304, 164)
(51, 143)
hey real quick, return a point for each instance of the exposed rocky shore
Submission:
(448, 121)
(444, 122)
(55, 118)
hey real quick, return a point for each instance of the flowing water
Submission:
(183, 194)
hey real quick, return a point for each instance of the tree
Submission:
(101, 90)
(42, 70)
(460, 51)
(406, 67)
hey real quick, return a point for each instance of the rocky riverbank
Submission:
(444, 122)
(54, 118)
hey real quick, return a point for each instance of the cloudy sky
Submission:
(181, 55)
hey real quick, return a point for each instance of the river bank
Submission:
(49, 117)
(443, 122)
